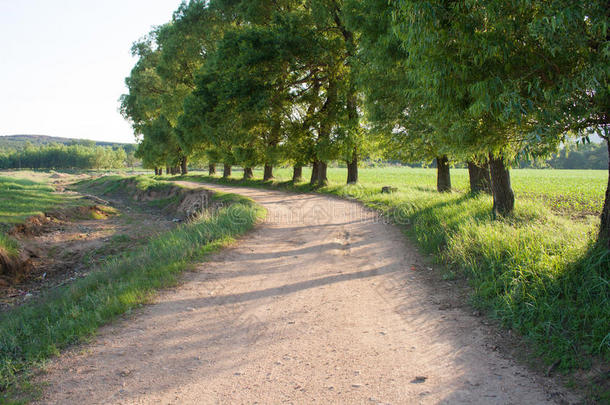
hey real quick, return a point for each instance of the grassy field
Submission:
(33, 332)
(539, 272)
(571, 192)
(23, 198)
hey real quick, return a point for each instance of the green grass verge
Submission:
(32, 333)
(538, 272)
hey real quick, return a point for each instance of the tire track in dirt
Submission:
(320, 303)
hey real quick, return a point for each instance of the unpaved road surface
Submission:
(323, 303)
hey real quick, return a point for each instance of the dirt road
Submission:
(322, 303)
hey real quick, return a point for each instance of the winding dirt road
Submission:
(322, 303)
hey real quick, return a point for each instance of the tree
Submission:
(308, 63)
(183, 46)
(158, 85)
(479, 176)
(264, 81)
(569, 84)
(408, 126)
(526, 74)
(468, 60)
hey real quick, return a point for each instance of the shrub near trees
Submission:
(262, 82)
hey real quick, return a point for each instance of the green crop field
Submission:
(573, 192)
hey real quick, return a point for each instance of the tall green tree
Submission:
(409, 127)
(183, 45)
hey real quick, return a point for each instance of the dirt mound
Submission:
(195, 202)
(180, 202)
(153, 194)
(51, 221)
(35, 226)
(88, 212)
(13, 268)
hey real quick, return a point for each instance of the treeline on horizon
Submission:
(593, 156)
(485, 84)
(81, 155)
(86, 155)
(588, 156)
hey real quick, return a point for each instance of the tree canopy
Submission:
(263, 83)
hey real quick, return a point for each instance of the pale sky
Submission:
(63, 64)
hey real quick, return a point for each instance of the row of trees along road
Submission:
(261, 82)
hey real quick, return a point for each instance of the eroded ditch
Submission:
(60, 246)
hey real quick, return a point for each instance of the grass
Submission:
(23, 198)
(539, 272)
(117, 183)
(567, 192)
(572, 192)
(8, 246)
(113, 184)
(32, 333)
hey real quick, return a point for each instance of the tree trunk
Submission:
(183, 166)
(480, 181)
(503, 196)
(604, 229)
(322, 178)
(443, 175)
(297, 173)
(352, 168)
(314, 173)
(248, 173)
(211, 169)
(318, 174)
(226, 171)
(268, 174)
(167, 170)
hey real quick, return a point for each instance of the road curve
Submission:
(322, 303)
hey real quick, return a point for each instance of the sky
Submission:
(63, 64)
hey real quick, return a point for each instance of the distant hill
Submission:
(19, 141)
